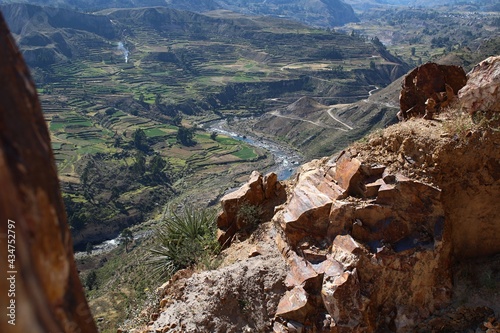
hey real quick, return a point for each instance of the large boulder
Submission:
(43, 291)
(428, 88)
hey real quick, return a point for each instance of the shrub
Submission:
(184, 240)
(249, 214)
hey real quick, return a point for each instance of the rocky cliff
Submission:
(39, 285)
(375, 239)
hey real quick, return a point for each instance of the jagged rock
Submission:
(429, 87)
(482, 91)
(306, 214)
(295, 305)
(342, 299)
(264, 193)
(367, 237)
(48, 294)
(394, 230)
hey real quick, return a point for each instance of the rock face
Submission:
(428, 88)
(242, 296)
(257, 197)
(482, 92)
(48, 294)
(366, 251)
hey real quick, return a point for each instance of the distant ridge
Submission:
(320, 13)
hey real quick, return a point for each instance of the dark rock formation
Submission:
(48, 293)
(428, 88)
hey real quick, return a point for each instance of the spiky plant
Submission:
(184, 239)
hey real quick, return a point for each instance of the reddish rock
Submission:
(348, 175)
(342, 299)
(264, 193)
(301, 273)
(482, 91)
(251, 193)
(295, 305)
(429, 82)
(308, 209)
(48, 293)
(341, 218)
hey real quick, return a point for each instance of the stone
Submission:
(482, 91)
(251, 193)
(340, 213)
(348, 175)
(309, 206)
(342, 299)
(48, 294)
(371, 189)
(301, 273)
(264, 193)
(431, 83)
(295, 305)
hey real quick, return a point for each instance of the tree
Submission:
(185, 136)
(156, 166)
(213, 135)
(126, 237)
(140, 140)
(118, 141)
(177, 120)
(91, 280)
(139, 167)
(413, 51)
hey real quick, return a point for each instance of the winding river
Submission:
(286, 160)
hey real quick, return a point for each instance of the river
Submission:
(286, 160)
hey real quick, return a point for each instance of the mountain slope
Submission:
(324, 13)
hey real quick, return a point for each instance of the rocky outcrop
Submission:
(241, 296)
(43, 292)
(482, 92)
(429, 88)
(251, 203)
(366, 249)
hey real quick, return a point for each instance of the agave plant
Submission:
(183, 240)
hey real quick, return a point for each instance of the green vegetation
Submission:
(126, 237)
(184, 239)
(250, 215)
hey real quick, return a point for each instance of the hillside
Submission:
(396, 233)
(319, 13)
